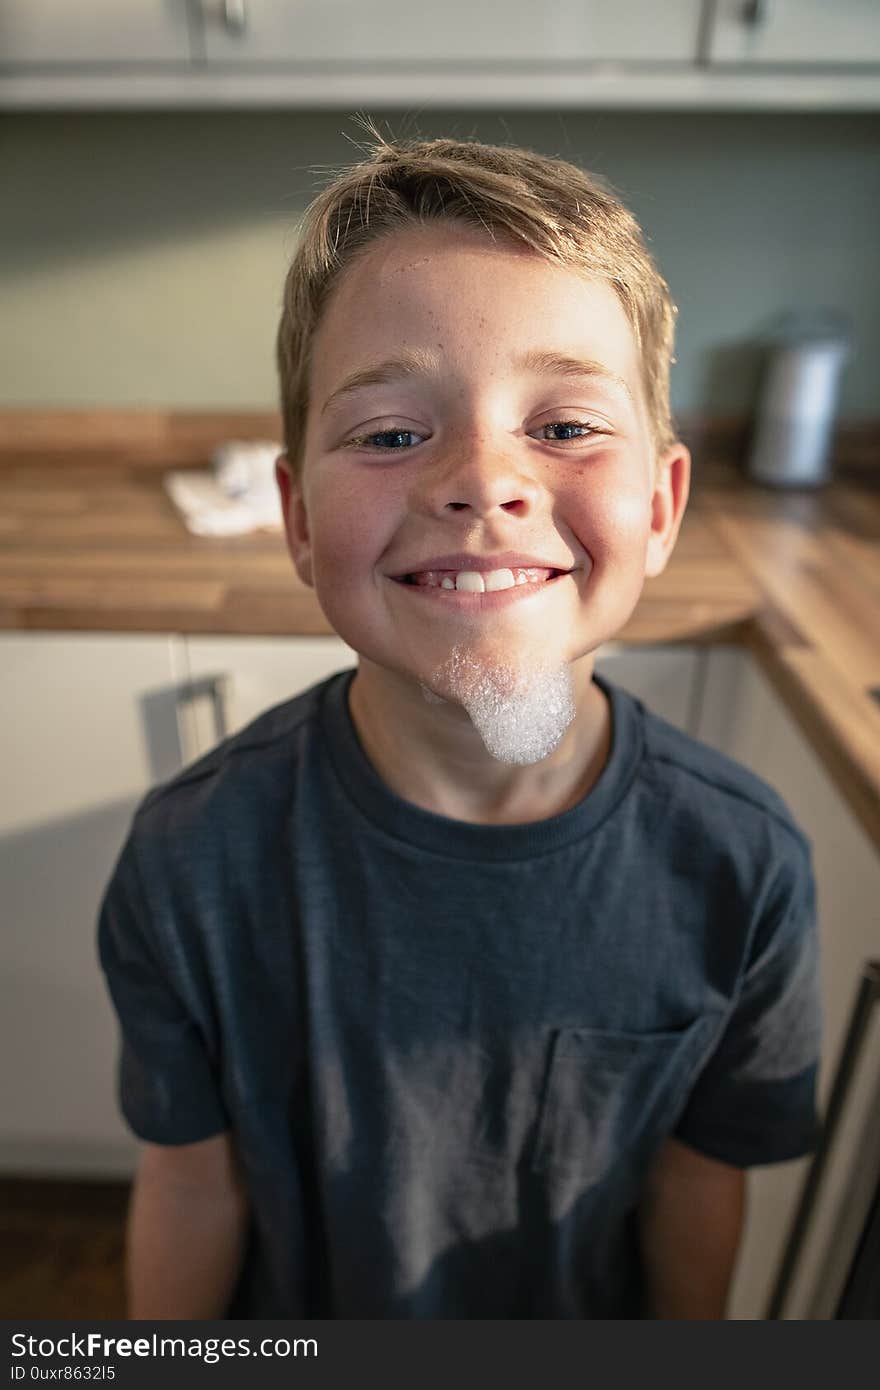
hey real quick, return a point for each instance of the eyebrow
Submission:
(541, 361)
(548, 363)
(413, 363)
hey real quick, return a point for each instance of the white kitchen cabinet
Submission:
(251, 674)
(665, 678)
(85, 729)
(93, 31)
(814, 32)
(742, 716)
(336, 33)
(390, 32)
(375, 55)
(89, 723)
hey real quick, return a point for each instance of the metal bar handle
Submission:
(216, 689)
(235, 16)
(755, 13)
(231, 14)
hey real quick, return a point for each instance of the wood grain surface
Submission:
(89, 541)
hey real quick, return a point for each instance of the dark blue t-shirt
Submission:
(449, 1052)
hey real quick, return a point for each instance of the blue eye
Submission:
(393, 435)
(583, 425)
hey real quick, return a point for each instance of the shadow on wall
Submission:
(57, 1074)
(90, 184)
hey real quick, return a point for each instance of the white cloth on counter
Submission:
(238, 494)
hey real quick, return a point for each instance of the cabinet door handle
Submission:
(232, 14)
(235, 16)
(214, 688)
(755, 13)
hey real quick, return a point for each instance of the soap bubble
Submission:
(520, 712)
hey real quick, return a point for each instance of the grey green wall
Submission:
(142, 254)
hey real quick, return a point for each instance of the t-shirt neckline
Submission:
(443, 835)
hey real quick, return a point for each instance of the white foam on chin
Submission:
(520, 713)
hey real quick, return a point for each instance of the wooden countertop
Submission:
(90, 541)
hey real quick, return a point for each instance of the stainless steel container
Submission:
(797, 401)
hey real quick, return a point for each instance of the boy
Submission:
(461, 985)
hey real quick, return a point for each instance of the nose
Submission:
(481, 476)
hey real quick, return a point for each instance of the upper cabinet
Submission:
(68, 32)
(375, 54)
(783, 32)
(392, 32)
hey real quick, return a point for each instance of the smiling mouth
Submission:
(479, 582)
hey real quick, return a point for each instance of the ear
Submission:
(296, 521)
(671, 489)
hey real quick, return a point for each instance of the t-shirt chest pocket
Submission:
(606, 1091)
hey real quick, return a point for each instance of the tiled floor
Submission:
(62, 1249)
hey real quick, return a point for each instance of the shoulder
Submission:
(710, 795)
(719, 834)
(240, 786)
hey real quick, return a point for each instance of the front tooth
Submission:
(447, 582)
(499, 579)
(471, 581)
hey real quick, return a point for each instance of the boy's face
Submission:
(469, 462)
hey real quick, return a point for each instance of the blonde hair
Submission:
(564, 214)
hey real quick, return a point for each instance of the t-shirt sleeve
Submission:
(755, 1100)
(167, 1089)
